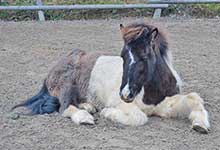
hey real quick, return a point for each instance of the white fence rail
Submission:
(155, 4)
(66, 7)
(41, 7)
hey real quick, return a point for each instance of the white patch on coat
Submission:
(105, 80)
(125, 91)
(169, 61)
(131, 57)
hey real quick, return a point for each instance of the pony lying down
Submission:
(127, 89)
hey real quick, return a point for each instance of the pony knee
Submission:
(195, 96)
(195, 102)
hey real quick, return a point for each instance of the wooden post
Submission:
(40, 12)
(157, 13)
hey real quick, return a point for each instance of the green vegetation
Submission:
(209, 9)
(196, 10)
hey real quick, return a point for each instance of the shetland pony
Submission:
(127, 89)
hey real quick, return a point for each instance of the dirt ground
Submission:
(29, 49)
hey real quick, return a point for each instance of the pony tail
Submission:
(41, 103)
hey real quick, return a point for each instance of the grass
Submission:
(196, 10)
(210, 9)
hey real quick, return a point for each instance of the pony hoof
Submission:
(82, 117)
(200, 129)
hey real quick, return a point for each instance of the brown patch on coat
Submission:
(163, 84)
(68, 80)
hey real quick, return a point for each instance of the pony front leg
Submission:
(190, 105)
(78, 116)
(69, 101)
(125, 113)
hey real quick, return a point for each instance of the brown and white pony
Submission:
(127, 89)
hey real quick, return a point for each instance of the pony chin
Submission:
(124, 94)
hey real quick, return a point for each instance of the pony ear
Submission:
(121, 26)
(145, 32)
(123, 29)
(154, 33)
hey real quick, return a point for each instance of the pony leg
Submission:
(190, 105)
(125, 113)
(69, 101)
(78, 116)
(69, 95)
(88, 107)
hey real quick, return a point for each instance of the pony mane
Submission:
(131, 31)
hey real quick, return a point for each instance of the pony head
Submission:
(139, 58)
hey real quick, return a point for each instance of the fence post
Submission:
(157, 13)
(40, 12)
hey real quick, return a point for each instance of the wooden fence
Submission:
(158, 5)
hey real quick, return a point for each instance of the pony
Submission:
(126, 89)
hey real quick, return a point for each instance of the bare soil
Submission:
(29, 49)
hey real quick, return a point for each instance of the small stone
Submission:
(14, 116)
(3, 50)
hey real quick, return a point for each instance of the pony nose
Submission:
(131, 96)
(128, 98)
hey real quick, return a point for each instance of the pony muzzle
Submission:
(126, 95)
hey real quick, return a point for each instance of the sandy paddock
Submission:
(29, 49)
